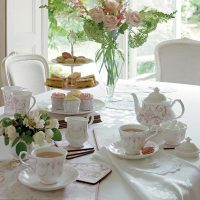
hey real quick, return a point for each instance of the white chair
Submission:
(29, 71)
(178, 61)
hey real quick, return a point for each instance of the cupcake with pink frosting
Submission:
(57, 99)
(87, 101)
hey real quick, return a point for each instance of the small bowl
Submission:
(187, 149)
(173, 132)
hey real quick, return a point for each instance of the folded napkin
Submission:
(159, 177)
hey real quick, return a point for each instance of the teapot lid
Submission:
(155, 96)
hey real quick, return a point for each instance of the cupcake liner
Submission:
(71, 106)
(57, 104)
(87, 104)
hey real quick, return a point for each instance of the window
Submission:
(141, 60)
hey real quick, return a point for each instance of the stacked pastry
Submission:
(56, 81)
(81, 81)
(75, 79)
(67, 58)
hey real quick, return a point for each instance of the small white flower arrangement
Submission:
(35, 127)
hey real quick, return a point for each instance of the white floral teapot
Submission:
(156, 108)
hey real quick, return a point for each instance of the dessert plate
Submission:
(69, 87)
(28, 178)
(47, 107)
(87, 61)
(118, 150)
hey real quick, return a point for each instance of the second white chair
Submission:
(178, 61)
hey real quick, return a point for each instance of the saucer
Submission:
(28, 178)
(118, 150)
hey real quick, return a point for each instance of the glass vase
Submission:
(109, 63)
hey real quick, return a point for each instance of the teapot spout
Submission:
(136, 102)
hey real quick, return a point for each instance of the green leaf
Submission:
(6, 140)
(21, 146)
(18, 116)
(15, 141)
(6, 122)
(27, 138)
(123, 27)
(57, 136)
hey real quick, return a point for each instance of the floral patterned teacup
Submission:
(134, 137)
(21, 101)
(7, 92)
(49, 163)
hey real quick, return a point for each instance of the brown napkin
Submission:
(63, 123)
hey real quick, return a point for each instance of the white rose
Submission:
(1, 129)
(25, 122)
(39, 138)
(49, 135)
(39, 123)
(11, 132)
(52, 123)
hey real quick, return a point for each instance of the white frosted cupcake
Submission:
(87, 101)
(71, 104)
(57, 100)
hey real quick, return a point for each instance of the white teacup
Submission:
(49, 163)
(77, 129)
(134, 137)
(7, 92)
(173, 132)
(22, 100)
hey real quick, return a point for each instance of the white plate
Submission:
(118, 150)
(47, 107)
(73, 64)
(70, 87)
(28, 178)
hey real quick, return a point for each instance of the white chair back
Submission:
(28, 71)
(178, 61)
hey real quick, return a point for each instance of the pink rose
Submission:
(110, 22)
(96, 14)
(133, 18)
(111, 5)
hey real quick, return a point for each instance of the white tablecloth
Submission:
(126, 181)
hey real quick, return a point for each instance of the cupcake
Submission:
(71, 104)
(57, 100)
(87, 101)
(75, 93)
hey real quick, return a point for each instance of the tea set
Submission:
(156, 116)
(156, 111)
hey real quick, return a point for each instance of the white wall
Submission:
(2, 37)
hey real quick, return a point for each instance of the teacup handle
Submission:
(91, 118)
(34, 102)
(21, 160)
(182, 107)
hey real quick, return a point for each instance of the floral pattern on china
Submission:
(156, 108)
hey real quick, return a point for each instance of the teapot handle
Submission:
(182, 107)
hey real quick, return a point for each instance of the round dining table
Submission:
(162, 176)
